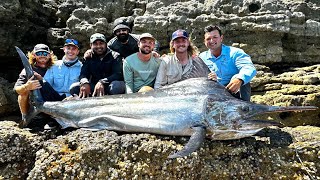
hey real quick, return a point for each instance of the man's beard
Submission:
(145, 51)
(123, 37)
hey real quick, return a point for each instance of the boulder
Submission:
(275, 152)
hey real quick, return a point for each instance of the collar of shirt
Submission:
(213, 58)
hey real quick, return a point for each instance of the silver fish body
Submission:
(172, 110)
(195, 107)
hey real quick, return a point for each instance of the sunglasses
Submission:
(42, 53)
(73, 41)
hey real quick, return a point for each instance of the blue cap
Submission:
(72, 42)
(179, 33)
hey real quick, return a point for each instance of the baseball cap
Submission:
(41, 48)
(97, 36)
(121, 26)
(72, 42)
(179, 33)
(146, 35)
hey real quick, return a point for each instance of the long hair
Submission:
(32, 59)
(192, 49)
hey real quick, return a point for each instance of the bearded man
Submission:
(124, 42)
(101, 73)
(140, 69)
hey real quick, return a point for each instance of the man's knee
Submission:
(117, 87)
(145, 89)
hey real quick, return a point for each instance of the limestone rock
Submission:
(8, 98)
(278, 153)
(18, 149)
(297, 87)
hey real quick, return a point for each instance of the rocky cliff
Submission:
(282, 37)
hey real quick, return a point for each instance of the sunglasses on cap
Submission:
(72, 41)
(42, 53)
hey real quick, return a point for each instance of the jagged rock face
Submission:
(286, 32)
(275, 33)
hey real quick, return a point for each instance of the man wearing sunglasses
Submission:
(101, 74)
(41, 58)
(63, 73)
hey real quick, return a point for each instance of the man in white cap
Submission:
(40, 58)
(101, 74)
(140, 69)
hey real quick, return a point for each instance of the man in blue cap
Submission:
(63, 73)
(182, 63)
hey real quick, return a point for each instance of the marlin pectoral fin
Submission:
(193, 144)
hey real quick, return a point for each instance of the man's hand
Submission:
(37, 75)
(212, 76)
(88, 54)
(32, 84)
(85, 91)
(98, 90)
(234, 85)
(155, 54)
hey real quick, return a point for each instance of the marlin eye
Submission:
(245, 108)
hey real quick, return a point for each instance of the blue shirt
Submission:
(60, 77)
(232, 63)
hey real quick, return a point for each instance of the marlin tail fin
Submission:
(35, 96)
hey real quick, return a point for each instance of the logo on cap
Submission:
(179, 33)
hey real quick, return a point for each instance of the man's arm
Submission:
(246, 68)
(84, 77)
(49, 76)
(117, 74)
(161, 78)
(85, 72)
(128, 77)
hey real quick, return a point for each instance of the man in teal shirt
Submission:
(140, 69)
(230, 66)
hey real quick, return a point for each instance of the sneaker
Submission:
(23, 122)
(49, 127)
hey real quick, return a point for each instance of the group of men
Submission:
(129, 64)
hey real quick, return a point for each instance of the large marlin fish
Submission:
(195, 107)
